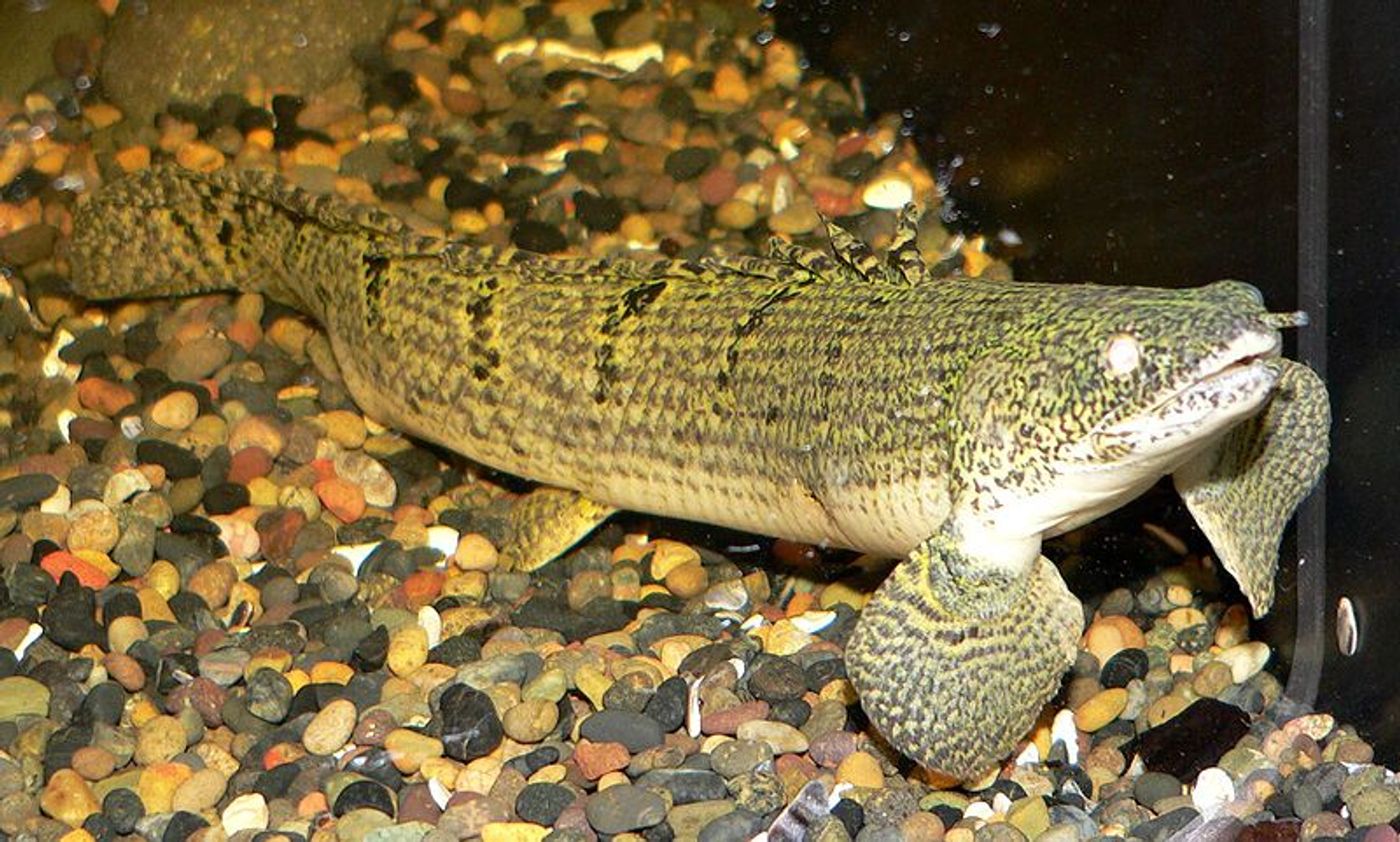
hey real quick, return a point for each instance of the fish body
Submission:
(843, 399)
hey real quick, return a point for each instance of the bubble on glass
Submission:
(989, 89)
(768, 5)
(904, 36)
(975, 181)
(82, 83)
(991, 29)
(299, 39)
(764, 38)
(824, 28)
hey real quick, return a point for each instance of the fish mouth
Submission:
(1225, 388)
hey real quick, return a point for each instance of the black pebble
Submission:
(1123, 667)
(1191, 740)
(365, 793)
(467, 722)
(123, 808)
(375, 764)
(685, 164)
(542, 803)
(69, 618)
(734, 826)
(455, 651)
(103, 703)
(635, 730)
(225, 498)
(536, 236)
(26, 490)
(667, 704)
(182, 826)
(531, 762)
(852, 817)
(178, 462)
(371, 651)
(775, 679)
(597, 213)
(686, 786)
(463, 192)
(794, 712)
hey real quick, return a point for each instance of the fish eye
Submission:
(1122, 354)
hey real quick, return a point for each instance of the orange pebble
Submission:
(59, 562)
(312, 805)
(342, 498)
(422, 587)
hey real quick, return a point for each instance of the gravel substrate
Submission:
(232, 606)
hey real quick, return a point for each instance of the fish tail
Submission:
(169, 231)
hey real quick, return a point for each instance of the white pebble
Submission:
(1245, 660)
(888, 192)
(431, 622)
(1001, 803)
(246, 812)
(57, 503)
(1212, 791)
(439, 793)
(53, 366)
(64, 418)
(34, 633)
(692, 708)
(444, 539)
(355, 553)
(979, 810)
(132, 427)
(1062, 730)
(814, 621)
(1029, 756)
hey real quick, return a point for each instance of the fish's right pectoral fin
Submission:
(953, 663)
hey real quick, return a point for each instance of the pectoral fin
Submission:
(1243, 491)
(953, 664)
(545, 523)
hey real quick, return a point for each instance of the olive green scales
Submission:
(847, 399)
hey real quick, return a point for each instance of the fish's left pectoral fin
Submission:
(1243, 491)
(953, 663)
(545, 523)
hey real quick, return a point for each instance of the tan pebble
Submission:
(409, 749)
(688, 580)
(330, 728)
(736, 215)
(841, 593)
(1164, 709)
(175, 411)
(255, 430)
(344, 427)
(667, 555)
(516, 832)
(1185, 618)
(200, 157)
(730, 84)
(780, 736)
(158, 783)
(1178, 595)
(68, 798)
(800, 217)
(593, 684)
(159, 740)
(92, 526)
(93, 762)
(1245, 660)
(212, 583)
(201, 792)
(784, 638)
(1102, 640)
(1029, 815)
(1101, 708)
(860, 769)
(408, 650)
(122, 632)
(1233, 628)
(1315, 725)
(530, 721)
(922, 827)
(502, 22)
(1212, 679)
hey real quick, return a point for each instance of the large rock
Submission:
(163, 51)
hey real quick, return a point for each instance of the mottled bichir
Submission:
(848, 399)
